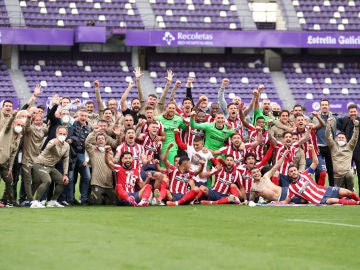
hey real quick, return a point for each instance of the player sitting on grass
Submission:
(127, 178)
(303, 185)
(180, 178)
(225, 189)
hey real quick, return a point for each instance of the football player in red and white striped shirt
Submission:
(300, 130)
(302, 185)
(127, 179)
(150, 117)
(180, 179)
(237, 148)
(281, 147)
(227, 186)
(129, 145)
(249, 163)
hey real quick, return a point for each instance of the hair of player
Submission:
(183, 159)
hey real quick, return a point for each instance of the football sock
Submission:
(147, 192)
(190, 195)
(162, 191)
(234, 191)
(354, 196)
(221, 201)
(347, 202)
(120, 191)
(322, 179)
(200, 193)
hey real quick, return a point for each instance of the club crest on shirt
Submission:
(175, 123)
(223, 134)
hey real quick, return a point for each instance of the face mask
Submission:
(341, 143)
(65, 119)
(61, 138)
(23, 120)
(276, 113)
(18, 129)
(101, 149)
(38, 127)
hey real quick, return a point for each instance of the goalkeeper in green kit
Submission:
(171, 121)
(216, 133)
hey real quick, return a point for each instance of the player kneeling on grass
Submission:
(127, 178)
(180, 178)
(227, 186)
(302, 185)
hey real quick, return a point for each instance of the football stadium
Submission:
(179, 134)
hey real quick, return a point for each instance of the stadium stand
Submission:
(73, 76)
(68, 14)
(4, 18)
(245, 72)
(7, 88)
(196, 14)
(316, 77)
(328, 15)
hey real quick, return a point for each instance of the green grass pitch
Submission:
(184, 237)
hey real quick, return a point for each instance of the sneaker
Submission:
(2, 205)
(171, 203)
(132, 201)
(143, 203)
(234, 199)
(65, 203)
(9, 204)
(43, 202)
(36, 204)
(25, 204)
(53, 203)
(196, 201)
(160, 203)
(205, 202)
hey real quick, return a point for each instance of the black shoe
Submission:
(85, 203)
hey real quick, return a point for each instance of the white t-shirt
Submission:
(194, 159)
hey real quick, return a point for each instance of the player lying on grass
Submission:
(302, 185)
(265, 188)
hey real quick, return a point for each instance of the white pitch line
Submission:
(324, 222)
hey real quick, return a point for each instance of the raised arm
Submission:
(98, 96)
(314, 157)
(272, 137)
(248, 109)
(221, 96)
(355, 136)
(321, 121)
(277, 165)
(178, 140)
(109, 159)
(173, 91)
(243, 118)
(168, 79)
(123, 103)
(329, 140)
(32, 99)
(189, 83)
(138, 74)
(196, 107)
